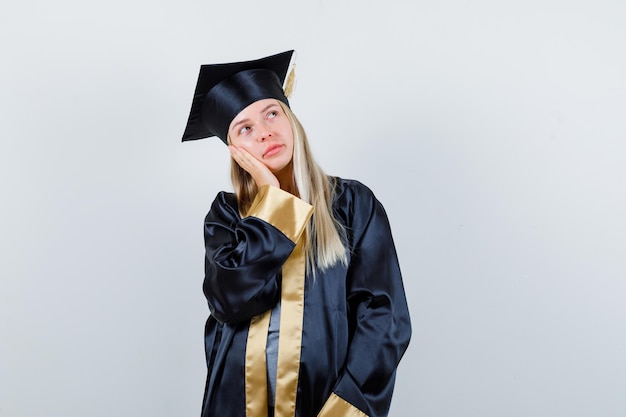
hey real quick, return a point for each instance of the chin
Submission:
(277, 169)
(277, 166)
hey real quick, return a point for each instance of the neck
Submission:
(285, 178)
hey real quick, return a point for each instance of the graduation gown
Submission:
(342, 331)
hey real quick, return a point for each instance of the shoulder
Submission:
(224, 206)
(360, 212)
(351, 189)
(354, 195)
(354, 204)
(225, 198)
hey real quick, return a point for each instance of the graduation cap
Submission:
(223, 90)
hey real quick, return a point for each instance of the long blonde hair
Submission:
(325, 235)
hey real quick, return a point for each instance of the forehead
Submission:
(255, 108)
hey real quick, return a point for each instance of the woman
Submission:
(308, 312)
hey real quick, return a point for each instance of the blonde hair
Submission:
(324, 244)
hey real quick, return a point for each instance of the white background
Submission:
(493, 132)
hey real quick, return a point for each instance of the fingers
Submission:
(245, 160)
(257, 169)
(242, 157)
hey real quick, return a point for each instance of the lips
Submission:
(272, 150)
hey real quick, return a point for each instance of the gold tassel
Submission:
(290, 81)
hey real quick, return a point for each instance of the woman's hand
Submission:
(257, 169)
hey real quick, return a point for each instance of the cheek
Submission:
(251, 149)
(291, 144)
(241, 144)
(288, 135)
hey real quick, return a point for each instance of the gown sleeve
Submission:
(244, 256)
(379, 319)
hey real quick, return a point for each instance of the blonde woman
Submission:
(308, 311)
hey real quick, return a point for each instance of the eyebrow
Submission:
(266, 108)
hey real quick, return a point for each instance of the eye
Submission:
(244, 130)
(272, 114)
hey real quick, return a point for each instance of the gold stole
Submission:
(289, 344)
(288, 214)
(269, 203)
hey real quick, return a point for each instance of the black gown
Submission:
(354, 327)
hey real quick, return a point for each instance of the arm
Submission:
(379, 319)
(244, 256)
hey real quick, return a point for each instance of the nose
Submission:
(264, 134)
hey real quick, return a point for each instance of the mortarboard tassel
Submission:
(290, 81)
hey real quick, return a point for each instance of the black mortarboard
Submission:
(223, 90)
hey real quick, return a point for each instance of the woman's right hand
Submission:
(257, 169)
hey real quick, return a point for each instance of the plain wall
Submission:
(493, 132)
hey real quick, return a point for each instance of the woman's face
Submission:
(263, 129)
